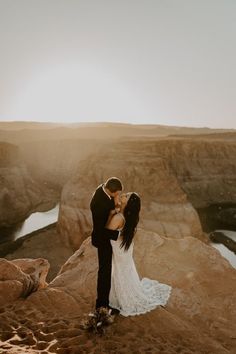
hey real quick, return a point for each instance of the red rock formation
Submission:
(20, 277)
(205, 168)
(171, 175)
(165, 207)
(198, 319)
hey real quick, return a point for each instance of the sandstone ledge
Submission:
(199, 317)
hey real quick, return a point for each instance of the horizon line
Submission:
(111, 123)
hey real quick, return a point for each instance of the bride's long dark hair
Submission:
(131, 214)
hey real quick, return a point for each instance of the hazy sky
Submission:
(138, 61)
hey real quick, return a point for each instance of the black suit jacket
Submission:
(100, 206)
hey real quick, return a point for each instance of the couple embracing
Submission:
(115, 217)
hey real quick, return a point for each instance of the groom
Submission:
(101, 204)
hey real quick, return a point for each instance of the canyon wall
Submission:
(165, 208)
(205, 169)
(20, 195)
(56, 161)
(173, 177)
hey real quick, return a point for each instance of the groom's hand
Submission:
(113, 212)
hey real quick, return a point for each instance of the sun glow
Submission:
(75, 93)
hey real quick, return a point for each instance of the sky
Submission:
(168, 62)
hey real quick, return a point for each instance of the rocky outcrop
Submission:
(165, 207)
(20, 195)
(173, 176)
(205, 169)
(20, 277)
(199, 317)
(43, 243)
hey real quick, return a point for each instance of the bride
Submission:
(130, 295)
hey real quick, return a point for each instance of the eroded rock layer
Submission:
(20, 194)
(199, 317)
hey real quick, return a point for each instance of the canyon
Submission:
(174, 176)
(184, 179)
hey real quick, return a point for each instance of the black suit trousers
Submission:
(104, 274)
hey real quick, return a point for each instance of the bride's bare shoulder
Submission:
(116, 221)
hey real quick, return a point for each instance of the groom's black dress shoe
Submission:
(113, 311)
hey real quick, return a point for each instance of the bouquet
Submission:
(96, 321)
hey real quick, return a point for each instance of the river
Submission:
(225, 252)
(34, 222)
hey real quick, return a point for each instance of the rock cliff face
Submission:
(165, 208)
(198, 319)
(56, 161)
(9, 155)
(43, 243)
(20, 195)
(205, 169)
(173, 176)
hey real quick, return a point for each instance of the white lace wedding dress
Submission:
(129, 294)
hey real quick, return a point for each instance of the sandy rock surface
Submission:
(199, 317)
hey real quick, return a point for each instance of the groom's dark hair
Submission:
(113, 184)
